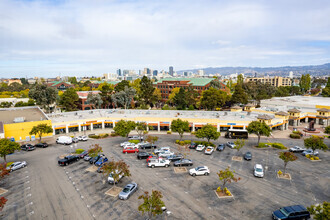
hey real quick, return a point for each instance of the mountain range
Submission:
(315, 70)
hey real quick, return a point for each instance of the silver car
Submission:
(128, 191)
(16, 166)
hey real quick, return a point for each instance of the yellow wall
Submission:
(322, 106)
(20, 131)
(235, 110)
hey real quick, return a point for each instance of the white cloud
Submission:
(40, 37)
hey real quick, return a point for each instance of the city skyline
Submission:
(48, 38)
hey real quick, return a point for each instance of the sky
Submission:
(82, 37)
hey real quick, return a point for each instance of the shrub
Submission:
(191, 107)
(278, 146)
(316, 158)
(312, 158)
(219, 189)
(217, 109)
(262, 145)
(279, 173)
(187, 141)
(113, 134)
(177, 141)
(79, 151)
(134, 141)
(295, 136)
(297, 132)
(181, 143)
(193, 132)
(104, 135)
(169, 132)
(204, 143)
(94, 136)
(308, 155)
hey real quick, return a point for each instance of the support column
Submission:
(306, 120)
(218, 128)
(91, 126)
(114, 124)
(53, 130)
(79, 127)
(103, 125)
(169, 127)
(158, 126)
(147, 127)
(193, 127)
(231, 127)
(66, 129)
(317, 121)
(282, 127)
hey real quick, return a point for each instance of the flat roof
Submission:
(33, 113)
(193, 81)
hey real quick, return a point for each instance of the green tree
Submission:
(40, 129)
(305, 83)
(216, 84)
(282, 91)
(45, 96)
(152, 139)
(73, 80)
(240, 79)
(315, 143)
(259, 129)
(320, 211)
(106, 91)
(230, 84)
(227, 176)
(147, 96)
(327, 130)
(209, 132)
(94, 150)
(121, 85)
(172, 95)
(239, 144)
(326, 90)
(192, 96)
(213, 98)
(141, 128)
(8, 147)
(124, 97)
(116, 169)
(69, 100)
(180, 99)
(287, 157)
(123, 128)
(180, 126)
(95, 100)
(152, 204)
(239, 95)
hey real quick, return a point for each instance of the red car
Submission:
(130, 150)
(153, 157)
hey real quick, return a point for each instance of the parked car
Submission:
(201, 170)
(134, 146)
(291, 212)
(310, 152)
(130, 150)
(111, 180)
(162, 149)
(174, 158)
(153, 157)
(127, 144)
(95, 159)
(64, 140)
(200, 147)
(41, 145)
(67, 160)
(221, 147)
(146, 145)
(183, 162)
(143, 155)
(166, 154)
(87, 158)
(258, 170)
(128, 191)
(209, 150)
(27, 147)
(101, 161)
(230, 144)
(248, 156)
(99, 169)
(82, 138)
(158, 163)
(75, 140)
(297, 149)
(16, 165)
(135, 138)
(193, 145)
(83, 154)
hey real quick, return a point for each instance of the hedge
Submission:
(134, 141)
(262, 145)
(295, 136)
(275, 145)
(79, 151)
(169, 132)
(98, 136)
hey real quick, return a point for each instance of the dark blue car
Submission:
(101, 161)
(295, 212)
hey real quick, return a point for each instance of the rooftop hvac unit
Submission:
(19, 119)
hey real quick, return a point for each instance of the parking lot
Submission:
(44, 190)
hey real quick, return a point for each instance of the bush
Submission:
(316, 158)
(134, 141)
(94, 136)
(177, 141)
(295, 136)
(219, 189)
(193, 132)
(79, 151)
(187, 141)
(262, 145)
(104, 135)
(278, 146)
(191, 107)
(279, 173)
(308, 155)
(113, 134)
(181, 143)
(297, 132)
(169, 132)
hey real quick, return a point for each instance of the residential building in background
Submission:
(83, 103)
(276, 81)
(60, 85)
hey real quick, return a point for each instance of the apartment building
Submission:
(276, 81)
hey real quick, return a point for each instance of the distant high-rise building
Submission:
(170, 70)
(291, 74)
(201, 72)
(185, 73)
(119, 72)
(125, 72)
(146, 71)
(155, 72)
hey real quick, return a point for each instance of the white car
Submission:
(64, 140)
(111, 180)
(125, 143)
(230, 144)
(158, 163)
(209, 150)
(162, 149)
(134, 146)
(82, 138)
(258, 170)
(165, 154)
(200, 147)
(135, 138)
(202, 170)
(16, 166)
(297, 149)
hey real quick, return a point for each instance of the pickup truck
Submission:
(67, 160)
(158, 163)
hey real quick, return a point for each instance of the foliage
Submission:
(141, 128)
(240, 79)
(8, 147)
(209, 132)
(79, 151)
(94, 150)
(169, 132)
(69, 100)
(205, 143)
(121, 85)
(23, 104)
(44, 95)
(239, 144)
(5, 104)
(320, 211)
(263, 145)
(314, 143)
(134, 141)
(180, 126)
(106, 91)
(227, 176)
(147, 91)
(258, 128)
(213, 98)
(239, 95)
(95, 100)
(278, 146)
(305, 83)
(73, 80)
(295, 136)
(40, 129)
(287, 157)
(172, 95)
(318, 83)
(258, 90)
(123, 128)
(166, 107)
(152, 204)
(280, 173)
(315, 91)
(327, 130)
(180, 99)
(116, 169)
(124, 97)
(326, 90)
(152, 139)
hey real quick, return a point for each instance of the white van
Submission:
(64, 140)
